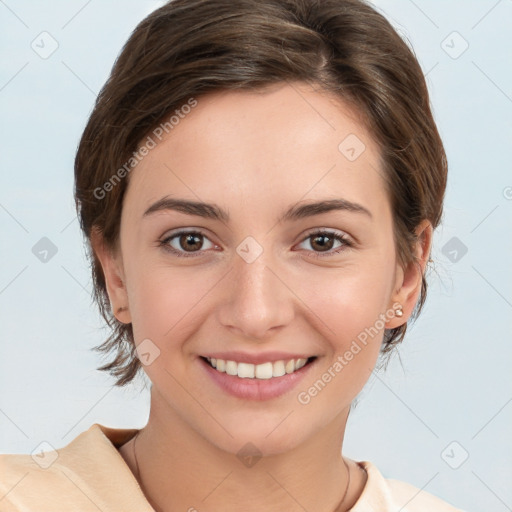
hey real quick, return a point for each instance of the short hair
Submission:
(188, 48)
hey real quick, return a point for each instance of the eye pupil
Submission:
(190, 241)
(323, 246)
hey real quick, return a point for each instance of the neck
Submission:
(179, 470)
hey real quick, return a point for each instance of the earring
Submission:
(399, 312)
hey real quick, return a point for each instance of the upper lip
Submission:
(261, 357)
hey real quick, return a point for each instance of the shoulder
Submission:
(382, 494)
(88, 472)
(418, 500)
(25, 478)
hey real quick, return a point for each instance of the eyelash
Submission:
(342, 238)
(346, 243)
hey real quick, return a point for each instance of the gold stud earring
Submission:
(399, 312)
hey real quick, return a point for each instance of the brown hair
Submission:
(188, 48)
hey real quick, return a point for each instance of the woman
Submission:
(258, 185)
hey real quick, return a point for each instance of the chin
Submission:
(270, 432)
(257, 442)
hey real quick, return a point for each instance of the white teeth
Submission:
(262, 371)
(246, 371)
(299, 363)
(231, 368)
(290, 366)
(278, 369)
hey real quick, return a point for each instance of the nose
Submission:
(256, 300)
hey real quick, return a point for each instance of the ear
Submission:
(408, 281)
(112, 266)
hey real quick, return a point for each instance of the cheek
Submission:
(348, 309)
(348, 300)
(164, 302)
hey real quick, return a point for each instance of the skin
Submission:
(255, 155)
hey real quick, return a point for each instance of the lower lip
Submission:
(256, 389)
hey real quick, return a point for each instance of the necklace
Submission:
(139, 478)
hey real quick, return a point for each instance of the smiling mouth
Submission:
(262, 371)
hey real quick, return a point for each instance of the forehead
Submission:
(272, 147)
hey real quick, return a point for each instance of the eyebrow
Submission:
(297, 211)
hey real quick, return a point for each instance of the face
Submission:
(259, 276)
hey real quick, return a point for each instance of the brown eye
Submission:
(190, 241)
(183, 242)
(323, 243)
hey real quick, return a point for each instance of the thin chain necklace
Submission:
(139, 477)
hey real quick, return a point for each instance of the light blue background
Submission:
(455, 383)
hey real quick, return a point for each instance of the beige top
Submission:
(89, 475)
